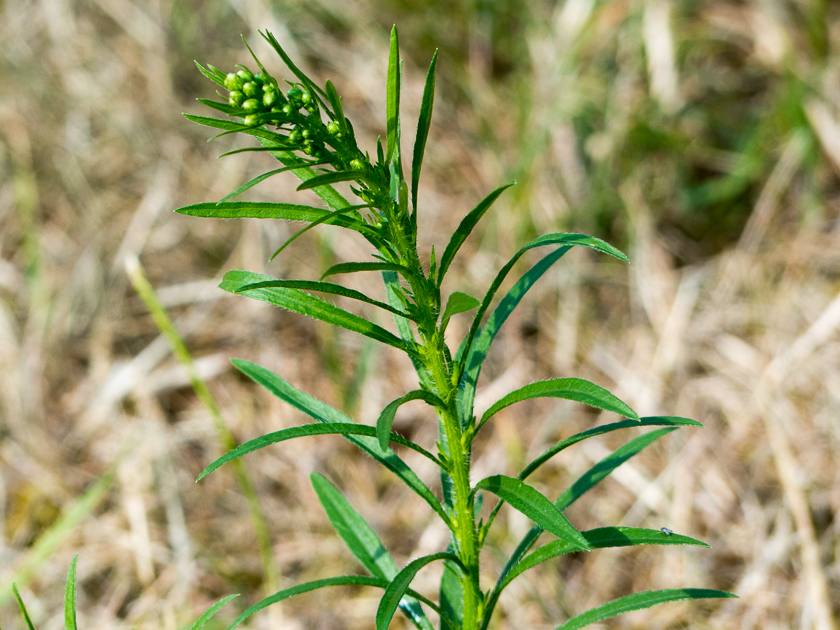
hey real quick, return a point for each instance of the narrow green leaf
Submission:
(576, 389)
(301, 302)
(607, 465)
(649, 421)
(386, 418)
(362, 541)
(22, 607)
(335, 103)
(353, 267)
(259, 178)
(222, 106)
(638, 601)
(392, 290)
(230, 125)
(600, 538)
(316, 91)
(70, 597)
(475, 347)
(535, 505)
(312, 225)
(213, 76)
(457, 303)
(327, 287)
(451, 594)
(208, 614)
(324, 413)
(260, 210)
(399, 584)
(331, 178)
(392, 96)
(465, 228)
(306, 431)
(424, 122)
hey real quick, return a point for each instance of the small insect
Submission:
(666, 531)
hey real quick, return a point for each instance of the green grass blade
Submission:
(301, 302)
(217, 77)
(392, 96)
(457, 303)
(324, 413)
(424, 122)
(70, 597)
(576, 389)
(399, 585)
(22, 607)
(307, 431)
(600, 538)
(331, 178)
(464, 229)
(638, 601)
(607, 465)
(330, 288)
(208, 614)
(649, 421)
(535, 505)
(386, 418)
(363, 541)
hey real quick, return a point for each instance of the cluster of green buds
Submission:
(261, 101)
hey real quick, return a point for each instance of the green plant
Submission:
(305, 129)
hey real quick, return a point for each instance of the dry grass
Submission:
(616, 118)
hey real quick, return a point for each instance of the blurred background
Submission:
(701, 137)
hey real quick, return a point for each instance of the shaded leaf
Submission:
(386, 418)
(533, 504)
(638, 601)
(354, 267)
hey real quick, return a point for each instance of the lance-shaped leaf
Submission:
(386, 418)
(233, 126)
(457, 303)
(648, 421)
(70, 597)
(576, 389)
(327, 287)
(355, 267)
(214, 74)
(475, 348)
(607, 465)
(208, 614)
(535, 505)
(306, 431)
(392, 96)
(331, 178)
(363, 542)
(325, 413)
(262, 210)
(335, 103)
(423, 124)
(343, 580)
(638, 601)
(600, 538)
(310, 85)
(465, 228)
(301, 302)
(399, 585)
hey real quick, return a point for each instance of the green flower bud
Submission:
(236, 98)
(251, 119)
(270, 96)
(246, 75)
(233, 82)
(311, 107)
(288, 109)
(294, 96)
(305, 97)
(334, 129)
(251, 105)
(296, 137)
(306, 133)
(356, 165)
(261, 78)
(251, 89)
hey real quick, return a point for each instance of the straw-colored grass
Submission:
(703, 138)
